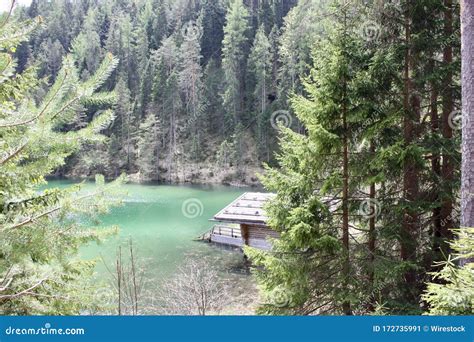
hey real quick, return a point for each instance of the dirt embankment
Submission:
(203, 174)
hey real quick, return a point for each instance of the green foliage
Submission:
(353, 97)
(41, 230)
(301, 28)
(261, 63)
(148, 152)
(306, 263)
(201, 83)
(233, 60)
(452, 289)
(187, 65)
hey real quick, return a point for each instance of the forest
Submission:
(197, 82)
(355, 114)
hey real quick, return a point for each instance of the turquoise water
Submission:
(163, 221)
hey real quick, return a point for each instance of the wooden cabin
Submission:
(243, 222)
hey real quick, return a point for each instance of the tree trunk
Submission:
(435, 168)
(467, 169)
(372, 240)
(447, 171)
(411, 105)
(346, 306)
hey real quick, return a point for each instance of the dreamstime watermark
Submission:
(46, 330)
(192, 208)
(369, 208)
(370, 298)
(370, 31)
(455, 36)
(455, 119)
(281, 117)
(280, 298)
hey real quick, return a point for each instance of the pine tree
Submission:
(51, 57)
(166, 86)
(190, 81)
(147, 146)
(310, 266)
(213, 79)
(452, 292)
(125, 125)
(260, 64)
(233, 62)
(159, 26)
(213, 15)
(40, 230)
(87, 47)
(301, 27)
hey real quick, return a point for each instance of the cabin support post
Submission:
(244, 230)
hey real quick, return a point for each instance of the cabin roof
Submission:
(248, 208)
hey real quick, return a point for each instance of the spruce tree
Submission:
(452, 289)
(234, 62)
(41, 230)
(310, 266)
(190, 82)
(260, 64)
(147, 148)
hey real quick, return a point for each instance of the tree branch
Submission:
(41, 113)
(24, 292)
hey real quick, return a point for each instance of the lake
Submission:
(163, 221)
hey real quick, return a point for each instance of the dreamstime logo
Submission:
(455, 119)
(191, 30)
(46, 330)
(192, 208)
(281, 117)
(280, 298)
(370, 31)
(369, 208)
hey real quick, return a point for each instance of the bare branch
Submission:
(24, 292)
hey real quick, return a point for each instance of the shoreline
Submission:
(230, 177)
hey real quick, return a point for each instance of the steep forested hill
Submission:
(201, 84)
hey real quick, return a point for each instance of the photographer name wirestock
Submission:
(46, 330)
(439, 328)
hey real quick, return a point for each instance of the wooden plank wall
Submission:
(260, 232)
(256, 236)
